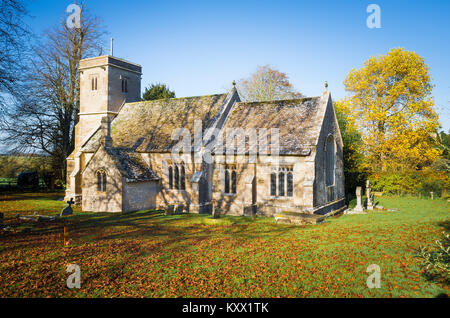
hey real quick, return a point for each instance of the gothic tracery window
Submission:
(177, 177)
(285, 185)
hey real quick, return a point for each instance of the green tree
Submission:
(444, 143)
(354, 172)
(158, 91)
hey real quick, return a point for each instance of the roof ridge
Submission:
(175, 98)
(303, 99)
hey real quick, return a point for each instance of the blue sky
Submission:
(200, 47)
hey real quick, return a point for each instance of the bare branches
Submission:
(267, 84)
(46, 110)
(13, 36)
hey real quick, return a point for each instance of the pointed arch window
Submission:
(170, 178)
(329, 161)
(273, 184)
(101, 180)
(230, 179)
(282, 182)
(233, 181)
(177, 177)
(290, 184)
(227, 181)
(182, 178)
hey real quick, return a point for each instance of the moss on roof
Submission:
(148, 126)
(298, 120)
(131, 165)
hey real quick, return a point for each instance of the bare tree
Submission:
(47, 110)
(267, 84)
(13, 35)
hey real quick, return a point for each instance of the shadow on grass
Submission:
(177, 231)
(31, 196)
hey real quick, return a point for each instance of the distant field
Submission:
(7, 181)
(148, 254)
(10, 184)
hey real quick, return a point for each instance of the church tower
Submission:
(106, 83)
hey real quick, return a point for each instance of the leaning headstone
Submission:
(359, 207)
(369, 196)
(68, 209)
(169, 210)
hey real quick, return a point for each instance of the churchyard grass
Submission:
(148, 254)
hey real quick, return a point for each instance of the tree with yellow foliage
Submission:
(392, 107)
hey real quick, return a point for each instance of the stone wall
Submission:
(321, 193)
(106, 100)
(139, 195)
(99, 201)
(250, 175)
(160, 162)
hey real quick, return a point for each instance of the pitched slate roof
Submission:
(131, 165)
(148, 126)
(299, 122)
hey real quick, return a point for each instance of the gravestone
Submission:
(169, 210)
(432, 195)
(215, 210)
(180, 209)
(359, 207)
(369, 196)
(68, 209)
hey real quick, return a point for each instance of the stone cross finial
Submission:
(70, 202)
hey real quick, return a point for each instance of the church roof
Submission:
(148, 126)
(132, 165)
(299, 122)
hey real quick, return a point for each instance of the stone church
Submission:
(123, 158)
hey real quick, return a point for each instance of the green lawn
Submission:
(147, 254)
